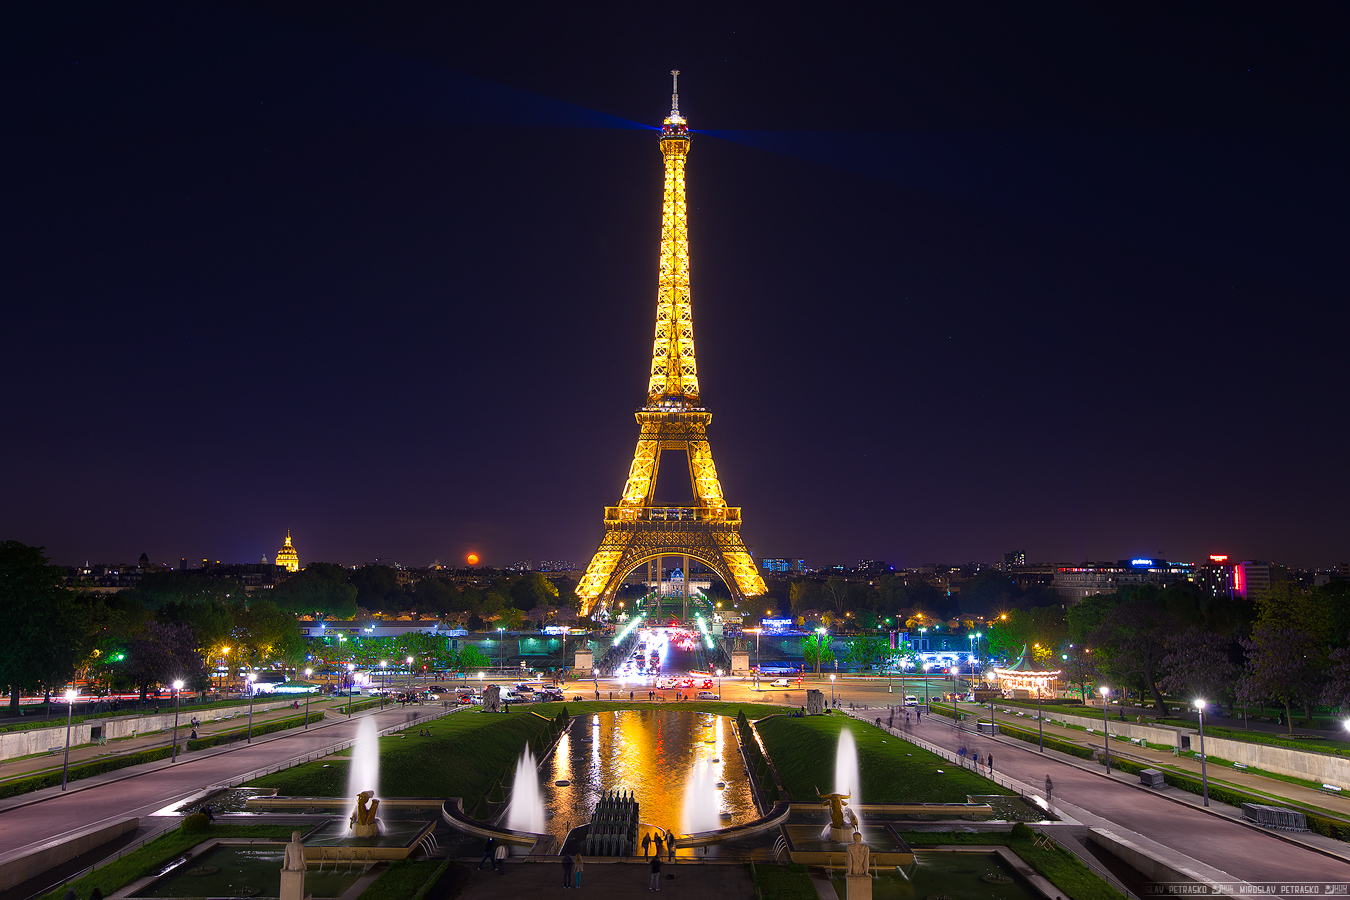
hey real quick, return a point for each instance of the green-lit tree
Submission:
(816, 650)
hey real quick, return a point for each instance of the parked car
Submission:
(780, 683)
(707, 695)
(911, 700)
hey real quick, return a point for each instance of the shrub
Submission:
(196, 822)
(1021, 830)
(51, 779)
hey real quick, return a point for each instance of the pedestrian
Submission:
(499, 859)
(567, 871)
(487, 851)
(918, 713)
(193, 736)
(670, 846)
(209, 813)
(631, 695)
(656, 874)
(659, 848)
(991, 764)
(647, 846)
(577, 865)
(1049, 792)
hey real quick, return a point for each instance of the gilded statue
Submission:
(836, 804)
(366, 804)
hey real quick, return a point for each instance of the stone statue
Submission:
(836, 804)
(492, 699)
(363, 822)
(293, 870)
(815, 702)
(857, 880)
(859, 856)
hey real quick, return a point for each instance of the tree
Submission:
(46, 626)
(1197, 665)
(165, 653)
(1336, 691)
(989, 591)
(867, 651)
(835, 594)
(1282, 665)
(262, 631)
(532, 590)
(318, 589)
(816, 650)
(377, 588)
(1131, 641)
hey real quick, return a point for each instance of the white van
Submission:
(911, 700)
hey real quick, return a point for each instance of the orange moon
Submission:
(472, 559)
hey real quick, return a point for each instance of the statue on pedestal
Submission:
(293, 870)
(857, 879)
(842, 821)
(492, 699)
(815, 702)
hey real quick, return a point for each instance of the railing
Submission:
(628, 515)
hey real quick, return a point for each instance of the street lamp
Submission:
(831, 690)
(224, 664)
(70, 711)
(410, 672)
(308, 672)
(1040, 718)
(351, 685)
(1106, 727)
(384, 680)
(1204, 775)
(177, 696)
(719, 684)
(501, 650)
(925, 684)
(252, 677)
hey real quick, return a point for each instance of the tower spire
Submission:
(673, 378)
(674, 92)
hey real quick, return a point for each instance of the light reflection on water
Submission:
(651, 753)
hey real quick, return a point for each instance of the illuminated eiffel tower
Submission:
(636, 531)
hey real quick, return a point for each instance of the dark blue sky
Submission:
(1059, 278)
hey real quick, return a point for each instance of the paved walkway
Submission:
(142, 790)
(612, 881)
(1339, 805)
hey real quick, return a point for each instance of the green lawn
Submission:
(403, 879)
(892, 770)
(790, 882)
(467, 754)
(150, 858)
(1059, 866)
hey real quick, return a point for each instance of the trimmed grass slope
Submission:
(892, 770)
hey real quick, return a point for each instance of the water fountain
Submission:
(526, 809)
(702, 802)
(844, 819)
(363, 778)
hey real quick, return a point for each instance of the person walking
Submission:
(577, 865)
(646, 846)
(670, 846)
(499, 859)
(487, 851)
(567, 871)
(656, 874)
(1049, 793)
(991, 763)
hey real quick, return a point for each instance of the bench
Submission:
(1239, 766)
(1330, 789)
(1135, 741)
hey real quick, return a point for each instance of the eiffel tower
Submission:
(637, 531)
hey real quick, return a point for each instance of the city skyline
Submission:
(389, 288)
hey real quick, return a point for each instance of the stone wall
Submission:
(41, 740)
(1154, 734)
(1322, 768)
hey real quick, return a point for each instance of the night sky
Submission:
(966, 279)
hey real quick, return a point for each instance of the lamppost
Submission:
(177, 695)
(224, 664)
(1040, 719)
(1106, 726)
(719, 684)
(252, 677)
(410, 672)
(831, 690)
(925, 684)
(351, 684)
(384, 680)
(70, 711)
(501, 650)
(1204, 775)
(308, 672)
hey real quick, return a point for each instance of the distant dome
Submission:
(287, 558)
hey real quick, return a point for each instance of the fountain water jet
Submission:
(364, 774)
(526, 809)
(847, 784)
(702, 805)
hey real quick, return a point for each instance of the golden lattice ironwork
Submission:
(636, 531)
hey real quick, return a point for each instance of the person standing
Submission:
(487, 851)
(567, 871)
(1049, 793)
(499, 859)
(670, 846)
(659, 848)
(646, 846)
(578, 864)
(656, 874)
(991, 764)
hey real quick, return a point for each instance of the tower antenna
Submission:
(674, 92)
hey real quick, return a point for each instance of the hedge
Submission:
(86, 770)
(261, 728)
(1318, 824)
(1033, 737)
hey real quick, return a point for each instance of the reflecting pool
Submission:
(667, 758)
(252, 870)
(961, 876)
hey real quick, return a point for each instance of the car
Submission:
(780, 683)
(550, 693)
(707, 682)
(707, 695)
(911, 700)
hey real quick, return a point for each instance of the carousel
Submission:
(1024, 681)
